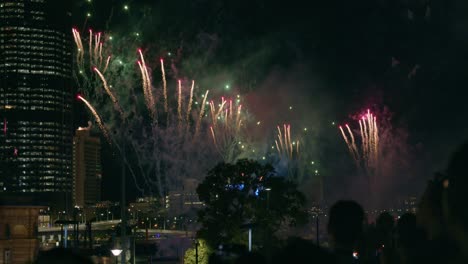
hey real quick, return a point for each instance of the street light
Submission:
(116, 253)
(268, 189)
(196, 243)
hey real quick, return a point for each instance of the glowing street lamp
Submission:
(268, 189)
(116, 253)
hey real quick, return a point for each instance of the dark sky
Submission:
(339, 56)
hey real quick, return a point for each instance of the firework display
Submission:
(179, 133)
(286, 147)
(366, 157)
(96, 117)
(227, 131)
(166, 146)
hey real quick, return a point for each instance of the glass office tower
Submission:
(36, 99)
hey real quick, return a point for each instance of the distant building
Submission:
(36, 94)
(410, 204)
(18, 233)
(87, 171)
(144, 205)
(183, 201)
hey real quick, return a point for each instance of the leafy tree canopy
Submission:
(246, 193)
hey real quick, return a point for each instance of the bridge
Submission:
(56, 231)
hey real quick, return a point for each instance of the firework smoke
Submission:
(367, 157)
(228, 137)
(109, 92)
(163, 154)
(286, 148)
(163, 72)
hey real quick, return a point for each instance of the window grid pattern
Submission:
(35, 97)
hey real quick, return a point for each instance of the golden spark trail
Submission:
(202, 112)
(367, 157)
(96, 48)
(149, 91)
(100, 54)
(145, 93)
(376, 139)
(97, 117)
(230, 109)
(238, 120)
(179, 104)
(297, 147)
(107, 64)
(213, 115)
(353, 142)
(370, 137)
(277, 147)
(214, 137)
(97, 44)
(80, 48)
(109, 92)
(79, 42)
(221, 107)
(78, 54)
(147, 86)
(287, 148)
(365, 142)
(189, 108)
(90, 45)
(226, 115)
(280, 137)
(164, 85)
(348, 144)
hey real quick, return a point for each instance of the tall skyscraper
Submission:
(36, 99)
(86, 168)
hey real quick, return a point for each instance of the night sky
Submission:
(329, 59)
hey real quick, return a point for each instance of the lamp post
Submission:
(196, 250)
(250, 239)
(268, 189)
(268, 240)
(123, 213)
(116, 253)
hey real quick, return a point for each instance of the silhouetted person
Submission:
(430, 216)
(345, 226)
(456, 195)
(411, 244)
(298, 250)
(384, 226)
(380, 240)
(60, 256)
(430, 213)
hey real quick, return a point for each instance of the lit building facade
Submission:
(18, 233)
(36, 99)
(87, 171)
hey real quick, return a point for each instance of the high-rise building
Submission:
(86, 168)
(36, 99)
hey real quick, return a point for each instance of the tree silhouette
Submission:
(246, 193)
